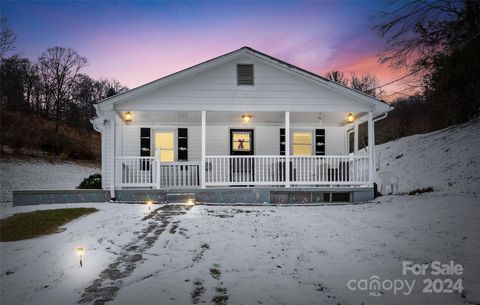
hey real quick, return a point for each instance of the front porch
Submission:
(206, 164)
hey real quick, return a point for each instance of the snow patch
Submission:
(30, 174)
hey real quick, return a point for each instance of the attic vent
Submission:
(245, 75)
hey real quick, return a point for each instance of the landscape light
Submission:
(80, 253)
(128, 117)
(190, 202)
(350, 117)
(149, 203)
(246, 118)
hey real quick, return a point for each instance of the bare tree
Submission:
(417, 31)
(111, 87)
(337, 76)
(7, 37)
(439, 42)
(60, 68)
(367, 83)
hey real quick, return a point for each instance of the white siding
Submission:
(217, 88)
(194, 143)
(266, 141)
(107, 155)
(335, 141)
(131, 141)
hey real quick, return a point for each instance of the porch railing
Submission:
(270, 170)
(244, 171)
(338, 170)
(137, 171)
(148, 172)
(179, 174)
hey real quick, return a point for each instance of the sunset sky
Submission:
(136, 42)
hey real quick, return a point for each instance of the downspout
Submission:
(381, 117)
(375, 120)
(112, 165)
(98, 124)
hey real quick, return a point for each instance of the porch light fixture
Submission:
(80, 253)
(350, 117)
(128, 117)
(246, 118)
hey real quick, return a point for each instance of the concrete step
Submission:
(180, 197)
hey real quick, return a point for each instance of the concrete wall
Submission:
(235, 195)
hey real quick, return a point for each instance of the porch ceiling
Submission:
(223, 117)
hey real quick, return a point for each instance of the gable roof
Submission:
(229, 56)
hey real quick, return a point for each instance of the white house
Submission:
(242, 121)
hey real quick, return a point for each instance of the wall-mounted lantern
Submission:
(350, 117)
(246, 118)
(128, 117)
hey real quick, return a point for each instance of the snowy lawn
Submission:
(254, 255)
(32, 174)
(46, 270)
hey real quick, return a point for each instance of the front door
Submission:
(241, 144)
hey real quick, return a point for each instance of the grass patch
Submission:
(29, 225)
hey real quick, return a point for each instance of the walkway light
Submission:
(350, 117)
(149, 204)
(190, 202)
(80, 253)
(246, 118)
(128, 117)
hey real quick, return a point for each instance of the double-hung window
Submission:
(302, 143)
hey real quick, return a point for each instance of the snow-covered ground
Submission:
(255, 255)
(447, 160)
(46, 270)
(32, 174)
(270, 254)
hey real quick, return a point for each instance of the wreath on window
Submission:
(240, 144)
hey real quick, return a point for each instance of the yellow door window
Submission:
(241, 141)
(165, 141)
(302, 143)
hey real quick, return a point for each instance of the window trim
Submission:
(253, 75)
(312, 140)
(175, 148)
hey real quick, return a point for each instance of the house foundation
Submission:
(227, 195)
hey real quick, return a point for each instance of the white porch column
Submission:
(287, 149)
(204, 149)
(158, 168)
(113, 122)
(371, 148)
(355, 138)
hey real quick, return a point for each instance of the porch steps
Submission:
(180, 197)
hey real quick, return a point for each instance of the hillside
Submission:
(29, 134)
(35, 174)
(447, 160)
